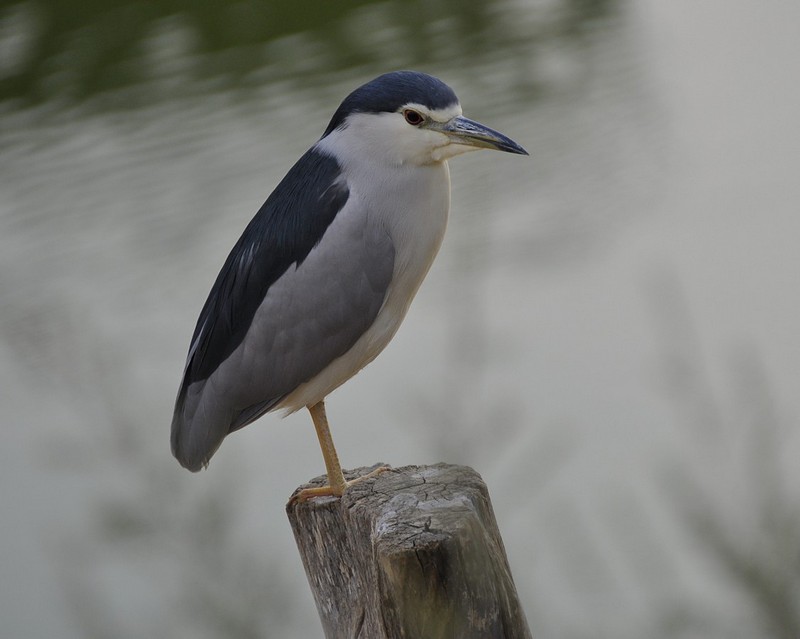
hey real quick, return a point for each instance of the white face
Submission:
(408, 136)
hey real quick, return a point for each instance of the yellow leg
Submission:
(336, 481)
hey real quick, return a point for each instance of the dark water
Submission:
(124, 54)
(137, 140)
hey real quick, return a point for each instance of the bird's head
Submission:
(407, 117)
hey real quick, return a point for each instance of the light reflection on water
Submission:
(131, 160)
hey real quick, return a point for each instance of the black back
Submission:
(283, 232)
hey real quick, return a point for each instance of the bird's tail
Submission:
(197, 432)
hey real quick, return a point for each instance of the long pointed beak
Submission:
(464, 131)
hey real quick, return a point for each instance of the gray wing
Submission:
(311, 315)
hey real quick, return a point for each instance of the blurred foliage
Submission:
(64, 50)
(732, 491)
(178, 554)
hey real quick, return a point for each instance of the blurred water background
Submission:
(609, 336)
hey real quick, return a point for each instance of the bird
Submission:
(323, 275)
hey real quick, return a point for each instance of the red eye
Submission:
(412, 117)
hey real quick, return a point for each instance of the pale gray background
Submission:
(609, 336)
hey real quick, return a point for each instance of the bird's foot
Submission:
(334, 491)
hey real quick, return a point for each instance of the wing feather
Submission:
(287, 226)
(302, 284)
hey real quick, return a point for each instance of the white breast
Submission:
(417, 228)
(411, 203)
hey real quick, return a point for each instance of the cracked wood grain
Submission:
(414, 553)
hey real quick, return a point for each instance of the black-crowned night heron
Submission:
(321, 278)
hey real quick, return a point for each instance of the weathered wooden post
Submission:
(414, 553)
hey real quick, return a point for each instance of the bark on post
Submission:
(414, 553)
